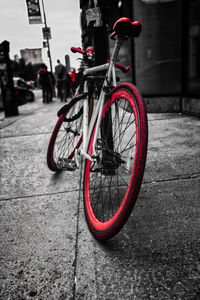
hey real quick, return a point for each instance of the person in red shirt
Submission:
(73, 80)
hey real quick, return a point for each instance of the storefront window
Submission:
(158, 49)
(194, 48)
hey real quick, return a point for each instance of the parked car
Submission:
(22, 91)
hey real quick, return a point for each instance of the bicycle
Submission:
(112, 138)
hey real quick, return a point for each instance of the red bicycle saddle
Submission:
(124, 26)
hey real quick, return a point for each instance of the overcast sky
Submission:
(63, 17)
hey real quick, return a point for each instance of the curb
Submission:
(173, 104)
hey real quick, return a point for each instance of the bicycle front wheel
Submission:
(113, 178)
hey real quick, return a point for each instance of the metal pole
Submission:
(6, 82)
(48, 45)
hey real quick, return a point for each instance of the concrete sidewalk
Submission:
(46, 249)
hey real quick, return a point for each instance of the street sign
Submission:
(34, 14)
(45, 45)
(46, 33)
(94, 14)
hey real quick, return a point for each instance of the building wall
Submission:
(193, 41)
(33, 56)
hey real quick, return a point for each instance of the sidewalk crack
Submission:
(77, 232)
(177, 178)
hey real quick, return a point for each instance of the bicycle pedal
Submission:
(66, 164)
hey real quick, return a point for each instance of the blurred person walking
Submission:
(45, 83)
(53, 83)
(68, 86)
(60, 75)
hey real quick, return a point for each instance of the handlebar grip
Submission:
(122, 68)
(128, 69)
(75, 50)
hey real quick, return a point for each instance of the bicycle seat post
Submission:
(111, 70)
(118, 42)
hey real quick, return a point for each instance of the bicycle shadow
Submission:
(57, 175)
(156, 225)
(158, 243)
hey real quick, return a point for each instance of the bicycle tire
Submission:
(66, 136)
(109, 194)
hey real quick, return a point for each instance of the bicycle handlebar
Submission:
(79, 50)
(121, 67)
(118, 66)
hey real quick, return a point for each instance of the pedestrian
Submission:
(60, 74)
(52, 83)
(68, 85)
(45, 83)
(73, 80)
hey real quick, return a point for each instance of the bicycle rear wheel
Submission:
(112, 180)
(66, 137)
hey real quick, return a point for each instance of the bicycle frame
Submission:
(111, 131)
(96, 116)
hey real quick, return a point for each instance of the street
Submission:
(46, 249)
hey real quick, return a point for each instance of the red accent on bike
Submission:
(122, 68)
(124, 26)
(79, 50)
(112, 36)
